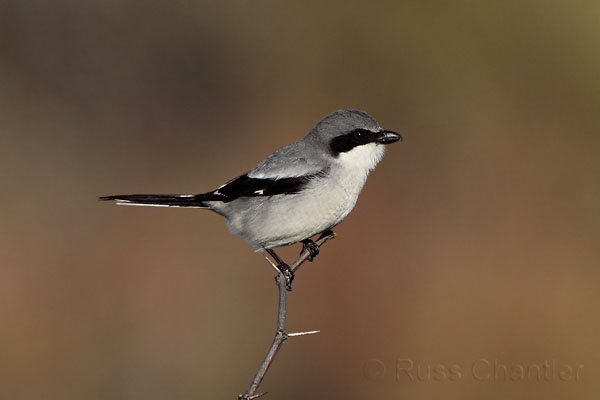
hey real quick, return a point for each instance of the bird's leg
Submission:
(283, 268)
(328, 232)
(311, 247)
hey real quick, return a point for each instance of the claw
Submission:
(289, 277)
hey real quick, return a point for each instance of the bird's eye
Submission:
(361, 136)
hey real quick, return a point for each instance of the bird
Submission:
(303, 189)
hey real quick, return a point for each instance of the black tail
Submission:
(159, 200)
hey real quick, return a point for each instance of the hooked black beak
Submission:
(387, 137)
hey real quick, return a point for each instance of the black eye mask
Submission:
(347, 142)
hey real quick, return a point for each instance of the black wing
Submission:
(245, 186)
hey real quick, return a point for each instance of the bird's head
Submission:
(343, 131)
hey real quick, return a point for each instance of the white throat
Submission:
(362, 158)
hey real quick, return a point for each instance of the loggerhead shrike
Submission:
(302, 189)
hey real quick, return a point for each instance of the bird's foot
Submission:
(311, 247)
(287, 273)
(284, 270)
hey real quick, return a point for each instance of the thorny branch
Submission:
(281, 334)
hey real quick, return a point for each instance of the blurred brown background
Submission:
(475, 238)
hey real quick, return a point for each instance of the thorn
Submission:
(302, 333)
(272, 265)
(256, 396)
